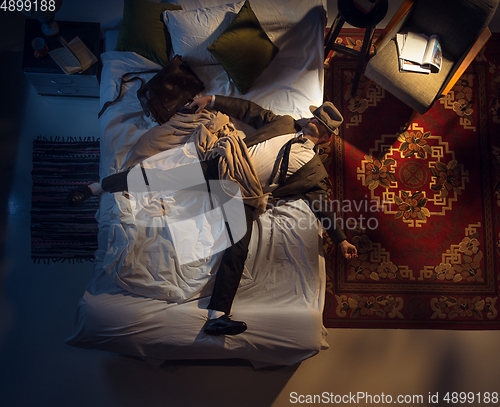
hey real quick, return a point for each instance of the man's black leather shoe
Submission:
(78, 195)
(224, 326)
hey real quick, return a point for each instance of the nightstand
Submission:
(44, 73)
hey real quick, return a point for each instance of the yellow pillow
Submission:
(244, 49)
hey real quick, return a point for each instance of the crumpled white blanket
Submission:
(167, 245)
(214, 135)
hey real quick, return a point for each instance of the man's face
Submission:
(316, 131)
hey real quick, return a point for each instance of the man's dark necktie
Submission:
(285, 159)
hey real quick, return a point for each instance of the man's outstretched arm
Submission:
(241, 109)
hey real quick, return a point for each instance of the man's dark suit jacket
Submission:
(310, 181)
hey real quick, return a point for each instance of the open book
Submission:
(419, 53)
(73, 56)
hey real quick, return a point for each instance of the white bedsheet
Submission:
(139, 301)
(281, 299)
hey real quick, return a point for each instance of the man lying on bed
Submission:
(282, 153)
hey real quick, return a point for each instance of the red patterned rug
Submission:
(421, 205)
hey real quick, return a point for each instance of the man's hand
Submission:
(200, 103)
(348, 250)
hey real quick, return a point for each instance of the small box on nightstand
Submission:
(44, 73)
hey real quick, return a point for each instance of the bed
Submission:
(142, 303)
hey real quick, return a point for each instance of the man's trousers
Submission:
(233, 260)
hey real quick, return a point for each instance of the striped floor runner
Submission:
(58, 231)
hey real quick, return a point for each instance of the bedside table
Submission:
(44, 73)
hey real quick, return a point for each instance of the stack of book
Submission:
(419, 53)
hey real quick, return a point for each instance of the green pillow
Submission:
(143, 30)
(244, 49)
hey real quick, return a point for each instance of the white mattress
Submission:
(132, 306)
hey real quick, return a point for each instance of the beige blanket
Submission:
(215, 136)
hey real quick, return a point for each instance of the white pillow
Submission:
(193, 31)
